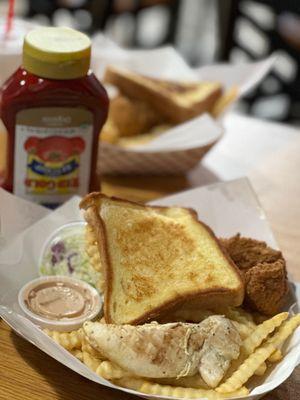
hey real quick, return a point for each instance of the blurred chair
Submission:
(250, 30)
(103, 12)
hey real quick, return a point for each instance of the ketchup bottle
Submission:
(53, 108)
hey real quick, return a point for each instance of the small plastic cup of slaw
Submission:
(64, 253)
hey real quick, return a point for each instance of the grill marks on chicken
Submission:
(169, 350)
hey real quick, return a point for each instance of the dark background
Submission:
(203, 31)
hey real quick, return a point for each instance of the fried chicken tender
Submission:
(169, 350)
(264, 272)
(246, 252)
(132, 117)
(147, 137)
(109, 132)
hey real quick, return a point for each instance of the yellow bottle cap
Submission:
(57, 53)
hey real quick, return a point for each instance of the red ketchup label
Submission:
(52, 161)
(53, 164)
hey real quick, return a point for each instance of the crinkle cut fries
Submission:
(261, 347)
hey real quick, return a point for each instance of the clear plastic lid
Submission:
(88, 299)
(64, 253)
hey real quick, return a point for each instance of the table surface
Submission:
(269, 155)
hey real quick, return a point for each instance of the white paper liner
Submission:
(228, 208)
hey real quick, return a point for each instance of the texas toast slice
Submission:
(155, 258)
(176, 101)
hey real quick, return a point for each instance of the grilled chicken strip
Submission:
(169, 350)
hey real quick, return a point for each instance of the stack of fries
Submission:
(261, 347)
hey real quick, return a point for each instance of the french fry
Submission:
(238, 316)
(246, 370)
(189, 314)
(68, 340)
(92, 250)
(255, 338)
(244, 330)
(262, 332)
(255, 350)
(195, 382)
(77, 353)
(224, 101)
(87, 348)
(105, 369)
(110, 371)
(285, 331)
(90, 238)
(90, 361)
(110, 132)
(246, 314)
(276, 356)
(260, 355)
(145, 386)
(131, 383)
(261, 369)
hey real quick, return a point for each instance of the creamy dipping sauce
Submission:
(58, 300)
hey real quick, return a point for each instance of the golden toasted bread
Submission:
(177, 102)
(155, 258)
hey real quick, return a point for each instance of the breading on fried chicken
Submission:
(264, 271)
(246, 252)
(266, 287)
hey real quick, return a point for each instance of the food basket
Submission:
(180, 148)
(227, 207)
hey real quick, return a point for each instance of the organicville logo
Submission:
(53, 162)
